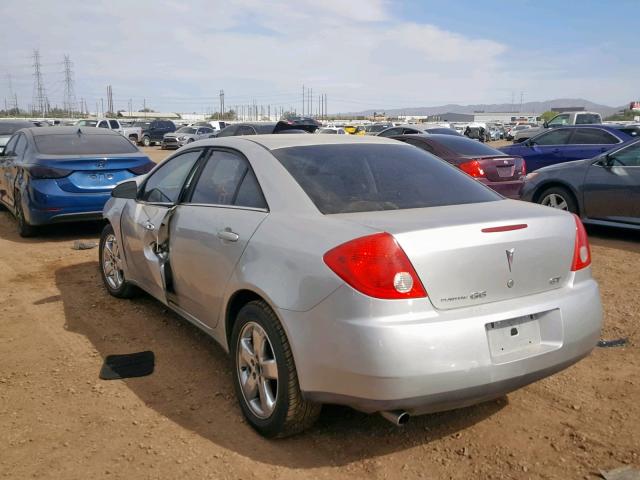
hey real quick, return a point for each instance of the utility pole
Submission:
(13, 98)
(521, 100)
(221, 103)
(303, 99)
(109, 99)
(39, 94)
(102, 107)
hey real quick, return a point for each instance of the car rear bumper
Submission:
(45, 203)
(511, 189)
(171, 143)
(412, 357)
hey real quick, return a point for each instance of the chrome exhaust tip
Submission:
(397, 417)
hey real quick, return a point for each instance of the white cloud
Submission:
(178, 55)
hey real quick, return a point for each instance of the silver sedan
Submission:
(352, 270)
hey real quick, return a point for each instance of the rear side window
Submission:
(227, 179)
(554, 137)
(560, 119)
(390, 132)
(246, 130)
(587, 119)
(228, 131)
(592, 136)
(365, 177)
(114, 124)
(83, 144)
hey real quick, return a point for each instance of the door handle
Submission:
(228, 235)
(149, 226)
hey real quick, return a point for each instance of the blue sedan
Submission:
(62, 174)
(566, 144)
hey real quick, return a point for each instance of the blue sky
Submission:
(177, 55)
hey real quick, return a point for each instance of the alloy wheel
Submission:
(257, 370)
(112, 263)
(554, 200)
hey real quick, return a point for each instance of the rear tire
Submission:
(559, 198)
(25, 229)
(133, 139)
(110, 255)
(290, 413)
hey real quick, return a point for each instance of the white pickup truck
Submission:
(560, 120)
(134, 134)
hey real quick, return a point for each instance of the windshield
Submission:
(364, 177)
(188, 130)
(466, 147)
(83, 144)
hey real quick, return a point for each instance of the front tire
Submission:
(265, 377)
(146, 141)
(559, 198)
(112, 274)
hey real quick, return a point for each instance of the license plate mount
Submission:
(508, 337)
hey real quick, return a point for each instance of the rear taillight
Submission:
(473, 168)
(581, 250)
(524, 167)
(142, 169)
(39, 171)
(376, 266)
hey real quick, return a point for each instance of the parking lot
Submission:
(60, 421)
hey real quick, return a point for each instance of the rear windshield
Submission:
(465, 146)
(83, 144)
(363, 178)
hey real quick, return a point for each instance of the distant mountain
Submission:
(528, 107)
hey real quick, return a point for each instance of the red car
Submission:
(497, 170)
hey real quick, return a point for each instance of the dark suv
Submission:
(154, 132)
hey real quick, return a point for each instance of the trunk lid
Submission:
(93, 174)
(502, 168)
(460, 265)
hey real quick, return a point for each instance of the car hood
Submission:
(575, 164)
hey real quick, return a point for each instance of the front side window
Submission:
(11, 145)
(555, 137)
(21, 145)
(165, 184)
(103, 124)
(627, 157)
(363, 177)
(221, 179)
(560, 120)
(229, 131)
(592, 136)
(246, 130)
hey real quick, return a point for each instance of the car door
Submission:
(612, 186)
(6, 161)
(145, 221)
(10, 169)
(546, 149)
(115, 125)
(588, 143)
(210, 231)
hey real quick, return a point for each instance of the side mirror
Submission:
(545, 124)
(608, 161)
(128, 190)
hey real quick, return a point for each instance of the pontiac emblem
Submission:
(510, 253)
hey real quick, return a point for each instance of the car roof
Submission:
(276, 141)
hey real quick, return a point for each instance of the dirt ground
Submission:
(59, 421)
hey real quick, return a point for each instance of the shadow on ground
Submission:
(61, 232)
(192, 387)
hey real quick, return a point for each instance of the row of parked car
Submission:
(378, 273)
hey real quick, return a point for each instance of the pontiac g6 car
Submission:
(353, 270)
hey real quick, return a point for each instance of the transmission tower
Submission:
(12, 104)
(40, 101)
(69, 92)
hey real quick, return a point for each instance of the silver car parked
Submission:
(186, 135)
(353, 270)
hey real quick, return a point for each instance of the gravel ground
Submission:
(59, 421)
